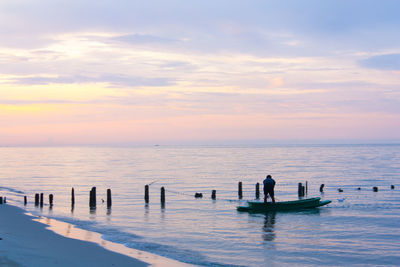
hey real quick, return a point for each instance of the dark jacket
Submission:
(269, 183)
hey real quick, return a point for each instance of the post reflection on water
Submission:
(268, 228)
(92, 213)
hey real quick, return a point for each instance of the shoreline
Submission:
(27, 240)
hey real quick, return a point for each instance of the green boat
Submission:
(260, 207)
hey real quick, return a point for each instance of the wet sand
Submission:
(30, 241)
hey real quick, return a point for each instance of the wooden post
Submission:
(162, 195)
(321, 188)
(1, 200)
(41, 199)
(257, 190)
(300, 190)
(25, 200)
(92, 200)
(109, 198)
(375, 188)
(214, 194)
(72, 197)
(51, 200)
(240, 190)
(392, 187)
(94, 196)
(146, 193)
(306, 187)
(5, 200)
(36, 199)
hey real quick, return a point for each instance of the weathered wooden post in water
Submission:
(51, 200)
(306, 187)
(146, 193)
(375, 188)
(321, 188)
(162, 195)
(300, 190)
(240, 190)
(25, 200)
(109, 198)
(257, 190)
(1, 200)
(213, 194)
(36, 199)
(392, 187)
(41, 199)
(92, 199)
(72, 197)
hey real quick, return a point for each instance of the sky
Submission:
(183, 71)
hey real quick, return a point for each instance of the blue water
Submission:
(359, 227)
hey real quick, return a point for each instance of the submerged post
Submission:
(392, 187)
(25, 200)
(321, 188)
(375, 188)
(146, 193)
(257, 190)
(51, 200)
(162, 195)
(36, 199)
(214, 194)
(109, 198)
(240, 190)
(41, 199)
(72, 197)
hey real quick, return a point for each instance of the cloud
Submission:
(113, 80)
(382, 62)
(264, 26)
(144, 39)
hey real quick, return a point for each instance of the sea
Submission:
(359, 228)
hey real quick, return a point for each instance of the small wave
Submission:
(11, 190)
(183, 255)
(138, 242)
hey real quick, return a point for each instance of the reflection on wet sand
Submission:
(268, 228)
(71, 231)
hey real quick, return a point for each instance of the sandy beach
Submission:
(27, 242)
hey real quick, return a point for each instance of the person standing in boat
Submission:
(269, 185)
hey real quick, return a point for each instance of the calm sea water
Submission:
(359, 227)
